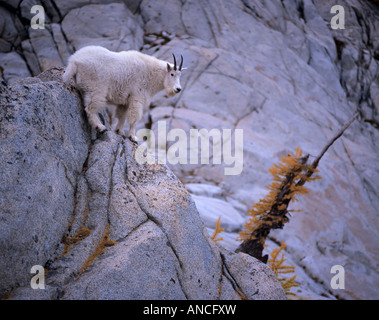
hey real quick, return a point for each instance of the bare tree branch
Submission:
(328, 145)
(346, 125)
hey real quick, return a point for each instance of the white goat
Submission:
(127, 80)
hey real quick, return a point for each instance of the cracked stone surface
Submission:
(103, 226)
(275, 69)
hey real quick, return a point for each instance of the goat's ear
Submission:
(184, 69)
(169, 68)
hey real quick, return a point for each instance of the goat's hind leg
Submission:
(93, 104)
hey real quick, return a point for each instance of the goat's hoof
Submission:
(133, 139)
(101, 130)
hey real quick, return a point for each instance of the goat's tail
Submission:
(70, 73)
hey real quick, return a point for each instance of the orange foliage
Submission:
(278, 267)
(288, 178)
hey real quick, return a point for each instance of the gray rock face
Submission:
(275, 69)
(14, 67)
(119, 30)
(43, 145)
(104, 226)
(283, 83)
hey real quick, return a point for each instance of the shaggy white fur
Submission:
(127, 80)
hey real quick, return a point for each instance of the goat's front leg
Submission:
(133, 114)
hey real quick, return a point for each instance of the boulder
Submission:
(13, 66)
(119, 29)
(102, 225)
(8, 30)
(211, 209)
(43, 146)
(45, 49)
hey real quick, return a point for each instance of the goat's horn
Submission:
(174, 62)
(181, 63)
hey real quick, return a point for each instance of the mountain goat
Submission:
(127, 80)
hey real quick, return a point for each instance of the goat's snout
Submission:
(177, 90)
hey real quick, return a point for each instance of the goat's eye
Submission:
(172, 74)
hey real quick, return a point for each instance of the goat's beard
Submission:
(170, 92)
